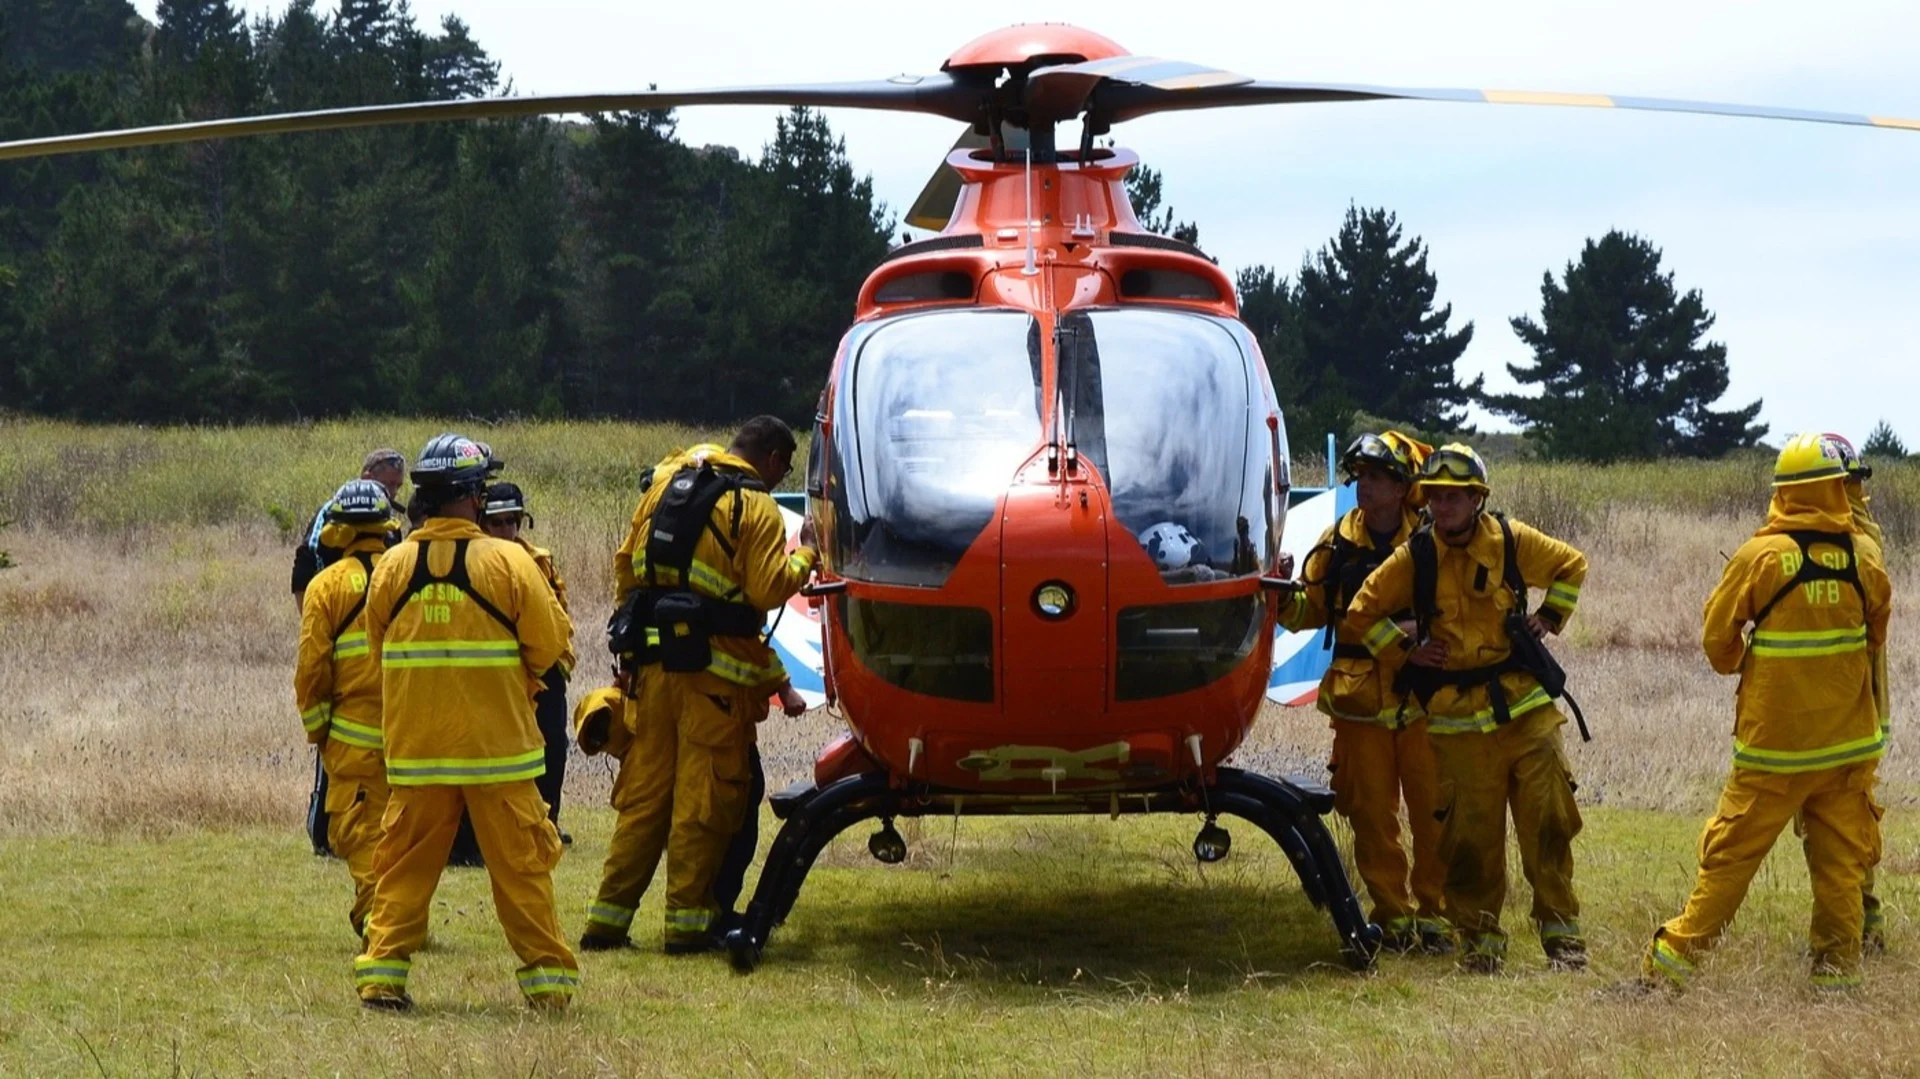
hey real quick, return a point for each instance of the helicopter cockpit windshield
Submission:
(1165, 405)
(945, 407)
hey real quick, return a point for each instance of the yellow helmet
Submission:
(1399, 455)
(1808, 458)
(1455, 465)
(598, 726)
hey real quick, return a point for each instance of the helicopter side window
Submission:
(1163, 405)
(944, 409)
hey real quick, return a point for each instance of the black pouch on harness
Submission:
(686, 641)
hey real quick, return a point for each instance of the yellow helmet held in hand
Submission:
(1455, 465)
(1808, 458)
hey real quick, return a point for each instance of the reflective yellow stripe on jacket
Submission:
(414, 773)
(1482, 720)
(451, 654)
(317, 717)
(1808, 760)
(1808, 643)
(354, 734)
(351, 645)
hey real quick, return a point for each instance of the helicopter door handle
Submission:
(1279, 584)
(824, 588)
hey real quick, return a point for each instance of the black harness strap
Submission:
(1811, 570)
(1420, 683)
(1347, 568)
(366, 563)
(457, 576)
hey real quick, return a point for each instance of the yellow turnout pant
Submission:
(1373, 768)
(356, 802)
(521, 847)
(1842, 823)
(1521, 767)
(682, 790)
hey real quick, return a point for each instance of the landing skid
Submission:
(1289, 811)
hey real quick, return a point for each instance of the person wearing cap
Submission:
(1494, 729)
(386, 467)
(465, 627)
(1800, 609)
(1380, 749)
(336, 683)
(506, 516)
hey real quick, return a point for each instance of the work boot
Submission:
(1482, 954)
(385, 998)
(1398, 935)
(1828, 978)
(1436, 940)
(693, 945)
(551, 1003)
(594, 942)
(1566, 954)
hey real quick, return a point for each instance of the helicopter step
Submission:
(1287, 810)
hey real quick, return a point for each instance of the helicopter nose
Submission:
(1053, 617)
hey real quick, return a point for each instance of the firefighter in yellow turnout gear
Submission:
(464, 626)
(1495, 731)
(704, 561)
(336, 682)
(1873, 928)
(1798, 613)
(1380, 748)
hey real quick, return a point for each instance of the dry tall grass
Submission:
(148, 631)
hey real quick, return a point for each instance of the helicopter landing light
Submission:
(1054, 600)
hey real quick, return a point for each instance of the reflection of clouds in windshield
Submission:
(1175, 404)
(945, 413)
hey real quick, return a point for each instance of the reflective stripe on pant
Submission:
(1842, 824)
(1523, 767)
(356, 801)
(521, 849)
(1373, 767)
(681, 791)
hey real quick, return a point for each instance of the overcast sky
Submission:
(1804, 239)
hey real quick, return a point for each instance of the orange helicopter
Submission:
(1049, 470)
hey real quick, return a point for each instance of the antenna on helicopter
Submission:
(1032, 268)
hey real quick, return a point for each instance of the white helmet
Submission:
(1172, 547)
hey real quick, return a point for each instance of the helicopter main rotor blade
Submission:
(934, 206)
(941, 95)
(1119, 100)
(1060, 92)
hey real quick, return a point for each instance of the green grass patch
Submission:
(1008, 947)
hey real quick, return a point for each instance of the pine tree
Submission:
(1884, 443)
(1270, 306)
(1371, 337)
(1621, 364)
(1144, 190)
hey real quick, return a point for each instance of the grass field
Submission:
(169, 919)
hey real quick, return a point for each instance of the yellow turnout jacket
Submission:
(1806, 688)
(1473, 602)
(1356, 686)
(336, 682)
(458, 682)
(758, 572)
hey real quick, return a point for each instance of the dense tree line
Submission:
(528, 267)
